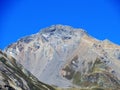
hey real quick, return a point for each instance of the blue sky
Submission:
(18, 18)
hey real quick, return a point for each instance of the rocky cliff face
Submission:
(14, 77)
(67, 57)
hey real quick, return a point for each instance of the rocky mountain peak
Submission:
(68, 57)
(60, 31)
(52, 35)
(59, 27)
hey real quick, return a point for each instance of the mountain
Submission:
(14, 77)
(68, 57)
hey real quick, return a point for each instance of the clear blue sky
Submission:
(18, 18)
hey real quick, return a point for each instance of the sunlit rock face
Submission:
(64, 56)
(14, 77)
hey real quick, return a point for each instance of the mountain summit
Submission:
(66, 57)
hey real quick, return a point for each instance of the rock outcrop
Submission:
(68, 57)
(14, 77)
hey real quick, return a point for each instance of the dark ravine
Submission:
(69, 59)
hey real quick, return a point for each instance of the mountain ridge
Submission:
(59, 55)
(14, 77)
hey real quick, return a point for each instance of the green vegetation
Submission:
(93, 88)
(98, 76)
(70, 72)
(32, 82)
(97, 66)
(98, 88)
(77, 78)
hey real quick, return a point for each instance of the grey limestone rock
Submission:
(64, 56)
